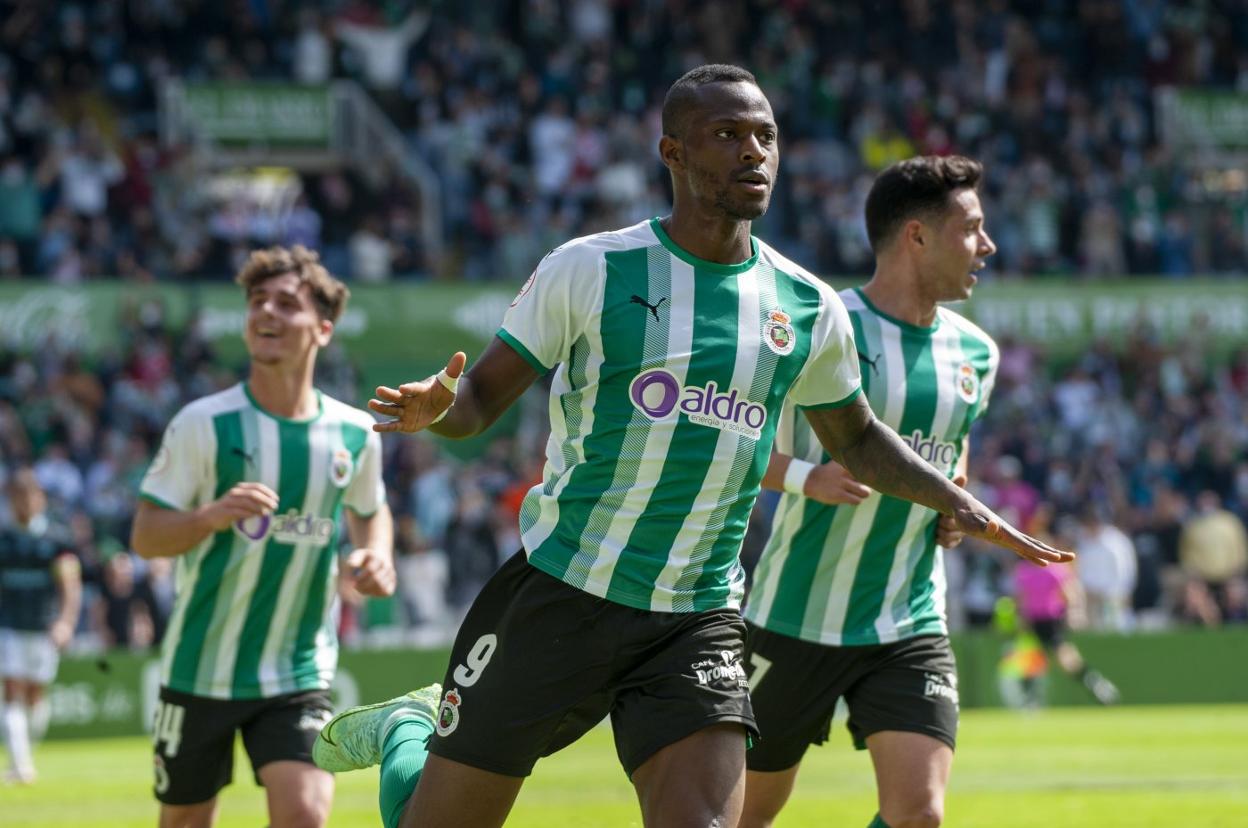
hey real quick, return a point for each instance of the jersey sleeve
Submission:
(367, 492)
(988, 381)
(177, 475)
(830, 378)
(546, 317)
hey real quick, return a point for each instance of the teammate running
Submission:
(246, 491)
(849, 594)
(674, 344)
(40, 596)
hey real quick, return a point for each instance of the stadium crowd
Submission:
(1135, 458)
(540, 118)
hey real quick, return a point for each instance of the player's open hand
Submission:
(245, 500)
(979, 521)
(370, 573)
(416, 405)
(948, 534)
(832, 483)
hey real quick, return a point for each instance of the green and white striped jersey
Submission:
(253, 613)
(872, 573)
(671, 375)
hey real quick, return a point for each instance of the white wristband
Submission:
(450, 384)
(795, 476)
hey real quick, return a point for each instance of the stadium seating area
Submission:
(549, 132)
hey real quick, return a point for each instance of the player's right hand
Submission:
(244, 500)
(831, 483)
(978, 521)
(415, 405)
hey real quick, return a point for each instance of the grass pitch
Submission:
(1141, 767)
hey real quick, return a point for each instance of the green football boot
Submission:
(353, 739)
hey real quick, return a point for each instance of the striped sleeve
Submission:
(830, 377)
(179, 473)
(545, 318)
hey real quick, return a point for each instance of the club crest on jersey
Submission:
(448, 713)
(340, 468)
(968, 382)
(778, 333)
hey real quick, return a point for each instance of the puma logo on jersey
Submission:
(654, 309)
(245, 455)
(875, 369)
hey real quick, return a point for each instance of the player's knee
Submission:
(925, 815)
(303, 814)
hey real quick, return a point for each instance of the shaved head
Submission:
(683, 98)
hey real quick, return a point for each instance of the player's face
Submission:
(282, 322)
(732, 151)
(961, 246)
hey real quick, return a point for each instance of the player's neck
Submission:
(897, 296)
(284, 392)
(712, 239)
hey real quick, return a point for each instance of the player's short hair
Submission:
(916, 188)
(329, 294)
(682, 96)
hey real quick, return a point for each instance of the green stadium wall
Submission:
(114, 696)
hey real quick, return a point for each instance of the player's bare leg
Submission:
(16, 726)
(698, 781)
(299, 795)
(199, 815)
(451, 794)
(765, 795)
(911, 774)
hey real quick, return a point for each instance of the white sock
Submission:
(17, 737)
(39, 716)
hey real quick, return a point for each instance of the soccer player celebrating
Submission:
(40, 595)
(848, 598)
(246, 491)
(674, 344)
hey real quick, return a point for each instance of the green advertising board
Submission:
(115, 696)
(1203, 117)
(256, 113)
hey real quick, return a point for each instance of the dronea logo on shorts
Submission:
(340, 468)
(941, 455)
(657, 394)
(162, 774)
(448, 713)
(944, 686)
(778, 334)
(291, 527)
(728, 669)
(968, 383)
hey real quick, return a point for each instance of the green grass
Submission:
(1131, 766)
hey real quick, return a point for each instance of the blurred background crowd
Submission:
(539, 120)
(1136, 459)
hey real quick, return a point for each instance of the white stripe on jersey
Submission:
(232, 610)
(679, 345)
(748, 344)
(946, 354)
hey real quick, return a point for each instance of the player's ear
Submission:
(325, 333)
(672, 152)
(914, 232)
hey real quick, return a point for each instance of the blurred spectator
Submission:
(1107, 571)
(1213, 551)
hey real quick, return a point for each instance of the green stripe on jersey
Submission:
(664, 409)
(852, 575)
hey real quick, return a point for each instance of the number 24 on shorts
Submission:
(468, 673)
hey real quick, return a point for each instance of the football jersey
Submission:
(872, 573)
(28, 591)
(670, 374)
(252, 616)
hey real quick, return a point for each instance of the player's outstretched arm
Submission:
(877, 457)
(478, 397)
(158, 532)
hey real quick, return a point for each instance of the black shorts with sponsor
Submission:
(193, 738)
(537, 663)
(908, 685)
